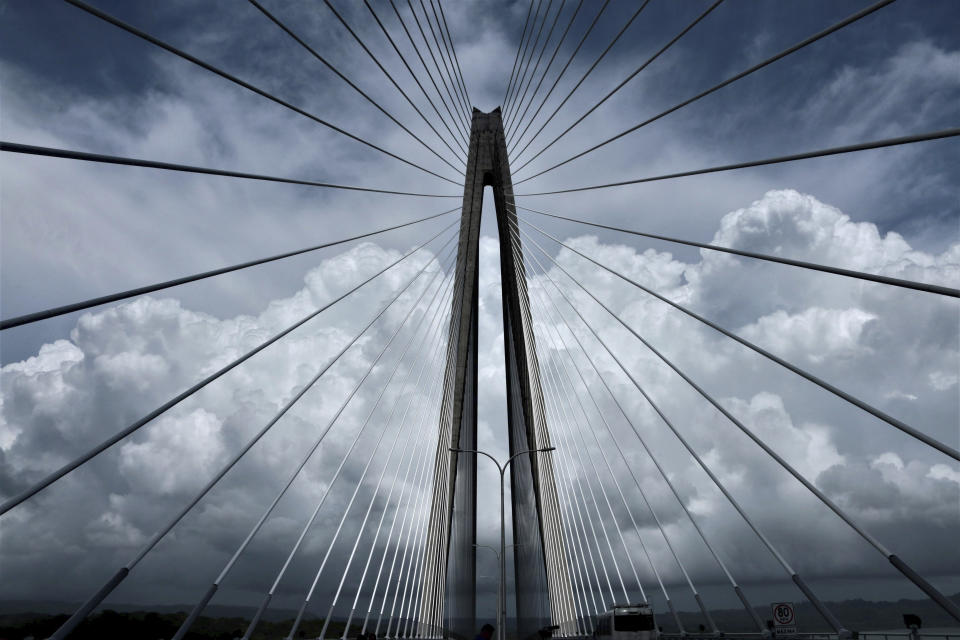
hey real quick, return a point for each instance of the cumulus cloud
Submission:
(122, 360)
(100, 229)
(863, 337)
(173, 457)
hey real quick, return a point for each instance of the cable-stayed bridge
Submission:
(409, 523)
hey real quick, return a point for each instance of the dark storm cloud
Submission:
(72, 230)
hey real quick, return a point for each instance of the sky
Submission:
(72, 230)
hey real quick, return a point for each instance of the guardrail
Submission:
(862, 635)
(874, 635)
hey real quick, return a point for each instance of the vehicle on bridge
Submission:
(626, 622)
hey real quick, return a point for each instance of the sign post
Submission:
(784, 618)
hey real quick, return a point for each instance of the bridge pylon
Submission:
(544, 594)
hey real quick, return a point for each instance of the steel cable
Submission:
(630, 77)
(549, 93)
(16, 147)
(902, 426)
(420, 484)
(366, 468)
(592, 430)
(453, 48)
(653, 568)
(577, 489)
(70, 624)
(850, 273)
(443, 81)
(286, 29)
(523, 56)
(546, 70)
(573, 491)
(130, 293)
(413, 504)
(453, 136)
(446, 46)
(109, 442)
(567, 444)
(794, 576)
(420, 458)
(800, 45)
(580, 82)
(819, 153)
(511, 108)
(389, 77)
(749, 608)
(516, 57)
(246, 85)
(409, 525)
(543, 75)
(549, 471)
(441, 49)
(420, 440)
(201, 605)
(456, 122)
(948, 606)
(574, 517)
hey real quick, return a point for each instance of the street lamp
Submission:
(500, 585)
(502, 617)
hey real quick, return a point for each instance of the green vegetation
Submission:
(859, 615)
(110, 625)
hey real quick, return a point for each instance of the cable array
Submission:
(739, 76)
(556, 80)
(793, 157)
(15, 147)
(897, 562)
(246, 85)
(585, 75)
(543, 76)
(597, 516)
(453, 136)
(46, 314)
(124, 571)
(526, 66)
(622, 84)
(286, 29)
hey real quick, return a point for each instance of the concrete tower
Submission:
(543, 590)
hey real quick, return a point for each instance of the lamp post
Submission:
(502, 609)
(500, 585)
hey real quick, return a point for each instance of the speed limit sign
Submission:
(784, 617)
(783, 613)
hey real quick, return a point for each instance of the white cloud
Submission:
(127, 358)
(942, 471)
(814, 334)
(123, 361)
(861, 337)
(67, 227)
(111, 531)
(175, 455)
